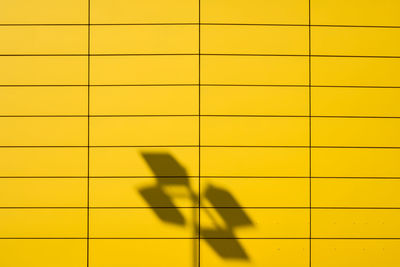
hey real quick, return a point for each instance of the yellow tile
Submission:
(44, 40)
(179, 69)
(43, 100)
(355, 132)
(144, 131)
(144, 100)
(129, 162)
(43, 222)
(228, 39)
(355, 101)
(43, 192)
(45, 131)
(153, 11)
(355, 193)
(259, 11)
(43, 11)
(254, 161)
(355, 12)
(43, 253)
(43, 161)
(141, 252)
(143, 223)
(355, 223)
(355, 71)
(355, 162)
(358, 41)
(348, 253)
(260, 192)
(265, 70)
(43, 70)
(254, 131)
(254, 223)
(144, 39)
(257, 252)
(254, 100)
(127, 192)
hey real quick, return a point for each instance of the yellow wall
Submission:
(188, 133)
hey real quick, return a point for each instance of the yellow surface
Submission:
(40, 253)
(145, 39)
(248, 100)
(227, 39)
(144, 100)
(187, 133)
(42, 223)
(356, 252)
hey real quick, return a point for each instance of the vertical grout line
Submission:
(199, 107)
(309, 120)
(88, 141)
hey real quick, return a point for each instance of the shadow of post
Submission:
(170, 173)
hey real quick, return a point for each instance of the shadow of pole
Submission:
(170, 173)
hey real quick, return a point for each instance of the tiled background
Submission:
(292, 106)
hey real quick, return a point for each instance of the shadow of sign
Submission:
(170, 173)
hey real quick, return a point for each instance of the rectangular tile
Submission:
(254, 223)
(143, 223)
(144, 192)
(355, 101)
(261, 70)
(345, 71)
(43, 11)
(43, 161)
(259, 192)
(44, 40)
(144, 131)
(43, 131)
(144, 70)
(259, 11)
(144, 39)
(254, 161)
(43, 253)
(355, 132)
(355, 193)
(121, 253)
(43, 192)
(355, 41)
(130, 162)
(352, 223)
(355, 12)
(144, 100)
(355, 162)
(255, 252)
(254, 100)
(235, 39)
(43, 223)
(153, 11)
(242, 131)
(43, 70)
(346, 253)
(48, 100)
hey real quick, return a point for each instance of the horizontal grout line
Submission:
(158, 177)
(202, 176)
(213, 207)
(196, 54)
(204, 84)
(206, 146)
(196, 116)
(213, 238)
(196, 24)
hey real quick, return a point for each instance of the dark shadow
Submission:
(225, 243)
(169, 173)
